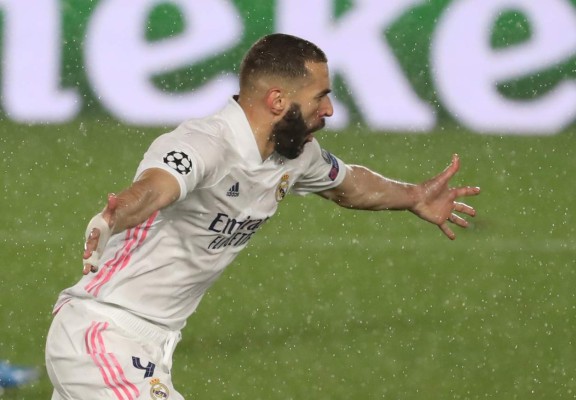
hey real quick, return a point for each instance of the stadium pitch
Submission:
(327, 303)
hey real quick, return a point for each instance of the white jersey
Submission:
(160, 269)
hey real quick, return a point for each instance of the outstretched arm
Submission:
(432, 200)
(153, 190)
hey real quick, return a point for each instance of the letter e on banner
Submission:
(467, 70)
(120, 63)
(31, 63)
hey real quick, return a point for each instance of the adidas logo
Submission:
(234, 190)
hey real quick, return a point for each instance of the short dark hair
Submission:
(279, 55)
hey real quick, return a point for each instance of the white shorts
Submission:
(95, 351)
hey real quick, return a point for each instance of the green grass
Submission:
(327, 303)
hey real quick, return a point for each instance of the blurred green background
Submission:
(327, 303)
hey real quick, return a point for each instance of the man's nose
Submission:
(327, 109)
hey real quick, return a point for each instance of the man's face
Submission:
(306, 113)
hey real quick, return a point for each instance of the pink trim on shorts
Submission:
(134, 239)
(108, 364)
(59, 306)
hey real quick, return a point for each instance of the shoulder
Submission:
(209, 130)
(207, 138)
(198, 147)
(319, 169)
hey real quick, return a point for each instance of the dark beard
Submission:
(290, 133)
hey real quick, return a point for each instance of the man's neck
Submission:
(260, 124)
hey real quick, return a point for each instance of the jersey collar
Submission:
(242, 132)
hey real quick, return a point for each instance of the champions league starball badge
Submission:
(282, 187)
(178, 161)
(158, 390)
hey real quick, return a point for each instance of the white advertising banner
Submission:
(119, 62)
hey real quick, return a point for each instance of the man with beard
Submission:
(199, 194)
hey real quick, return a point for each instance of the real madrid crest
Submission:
(158, 390)
(282, 187)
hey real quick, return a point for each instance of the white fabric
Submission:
(94, 351)
(161, 269)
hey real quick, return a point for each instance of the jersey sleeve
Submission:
(324, 171)
(181, 155)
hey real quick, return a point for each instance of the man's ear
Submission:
(276, 101)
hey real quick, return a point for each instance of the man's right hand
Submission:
(97, 235)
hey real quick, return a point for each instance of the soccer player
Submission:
(199, 195)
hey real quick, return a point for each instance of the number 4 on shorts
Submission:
(149, 368)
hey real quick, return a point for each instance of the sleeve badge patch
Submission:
(330, 159)
(179, 162)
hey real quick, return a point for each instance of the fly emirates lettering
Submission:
(233, 232)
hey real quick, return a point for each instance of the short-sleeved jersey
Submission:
(160, 269)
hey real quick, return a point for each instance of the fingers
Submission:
(91, 242)
(464, 209)
(110, 206)
(447, 231)
(89, 268)
(450, 170)
(456, 219)
(456, 161)
(89, 247)
(454, 193)
(466, 191)
(112, 201)
(100, 232)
